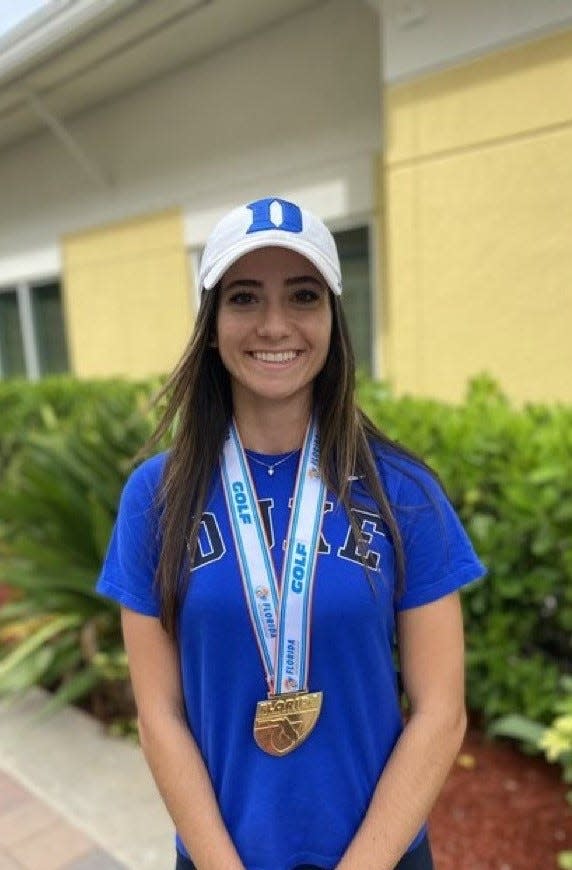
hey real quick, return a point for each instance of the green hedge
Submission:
(68, 454)
(28, 408)
(508, 472)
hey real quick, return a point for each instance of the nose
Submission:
(273, 321)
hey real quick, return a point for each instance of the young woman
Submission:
(267, 565)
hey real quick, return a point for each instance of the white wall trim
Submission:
(341, 194)
(467, 57)
(32, 265)
(421, 37)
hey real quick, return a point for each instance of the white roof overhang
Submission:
(72, 55)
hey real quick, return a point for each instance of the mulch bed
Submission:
(4, 594)
(500, 810)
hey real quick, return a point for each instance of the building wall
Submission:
(292, 110)
(478, 183)
(127, 298)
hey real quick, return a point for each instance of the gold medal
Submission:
(284, 721)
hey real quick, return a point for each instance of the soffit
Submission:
(127, 44)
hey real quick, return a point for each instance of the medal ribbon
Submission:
(280, 616)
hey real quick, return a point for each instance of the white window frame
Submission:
(23, 290)
(376, 278)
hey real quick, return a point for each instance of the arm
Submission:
(169, 747)
(431, 649)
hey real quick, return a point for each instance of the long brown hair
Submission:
(199, 405)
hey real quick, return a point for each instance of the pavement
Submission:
(74, 798)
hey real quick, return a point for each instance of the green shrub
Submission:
(48, 405)
(509, 474)
(507, 471)
(57, 506)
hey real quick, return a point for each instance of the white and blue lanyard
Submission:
(280, 616)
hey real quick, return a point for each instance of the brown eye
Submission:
(241, 297)
(306, 295)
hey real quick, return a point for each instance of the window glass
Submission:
(49, 329)
(12, 363)
(353, 248)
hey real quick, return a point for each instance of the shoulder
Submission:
(142, 485)
(130, 564)
(407, 480)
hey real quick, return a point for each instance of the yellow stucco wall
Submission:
(478, 233)
(127, 298)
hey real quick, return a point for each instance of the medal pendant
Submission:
(284, 721)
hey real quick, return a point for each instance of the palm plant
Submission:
(57, 509)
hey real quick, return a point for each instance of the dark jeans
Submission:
(419, 859)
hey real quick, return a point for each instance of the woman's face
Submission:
(273, 326)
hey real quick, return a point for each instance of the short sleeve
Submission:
(439, 556)
(128, 571)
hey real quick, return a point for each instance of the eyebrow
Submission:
(251, 282)
(304, 279)
(242, 282)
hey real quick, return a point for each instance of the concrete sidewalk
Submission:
(35, 837)
(71, 797)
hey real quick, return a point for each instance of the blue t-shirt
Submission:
(305, 807)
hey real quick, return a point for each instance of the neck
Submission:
(271, 429)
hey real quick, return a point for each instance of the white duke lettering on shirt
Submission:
(211, 545)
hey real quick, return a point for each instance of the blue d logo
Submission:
(275, 214)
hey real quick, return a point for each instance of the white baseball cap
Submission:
(266, 223)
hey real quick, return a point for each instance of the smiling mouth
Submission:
(275, 356)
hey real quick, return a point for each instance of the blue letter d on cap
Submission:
(261, 218)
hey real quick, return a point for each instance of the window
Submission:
(32, 333)
(12, 361)
(353, 248)
(49, 328)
